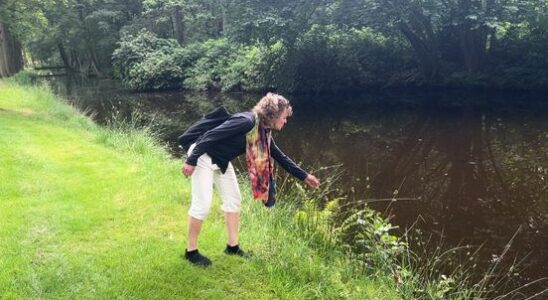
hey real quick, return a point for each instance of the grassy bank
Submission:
(90, 212)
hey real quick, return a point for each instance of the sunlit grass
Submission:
(100, 213)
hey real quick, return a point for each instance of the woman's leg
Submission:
(229, 191)
(194, 227)
(232, 227)
(202, 194)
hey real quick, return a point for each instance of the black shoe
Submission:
(196, 258)
(235, 250)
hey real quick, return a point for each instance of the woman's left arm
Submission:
(290, 166)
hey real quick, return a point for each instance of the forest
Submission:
(303, 46)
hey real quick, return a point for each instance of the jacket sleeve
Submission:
(233, 126)
(286, 162)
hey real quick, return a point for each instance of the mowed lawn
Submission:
(96, 213)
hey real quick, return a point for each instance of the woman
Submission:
(208, 163)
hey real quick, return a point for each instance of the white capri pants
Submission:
(206, 174)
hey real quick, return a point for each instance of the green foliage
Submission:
(368, 237)
(146, 62)
(329, 58)
(269, 68)
(269, 21)
(292, 46)
(317, 225)
(325, 59)
(520, 53)
(24, 18)
(158, 71)
(454, 42)
(213, 64)
(24, 77)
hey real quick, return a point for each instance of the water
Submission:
(468, 167)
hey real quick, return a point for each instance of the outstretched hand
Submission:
(312, 181)
(187, 170)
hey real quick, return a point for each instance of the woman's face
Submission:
(281, 120)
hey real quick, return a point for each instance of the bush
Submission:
(520, 56)
(239, 73)
(207, 72)
(326, 58)
(145, 62)
(270, 68)
(368, 237)
(158, 71)
(24, 77)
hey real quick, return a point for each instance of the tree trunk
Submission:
(426, 50)
(217, 21)
(90, 44)
(473, 43)
(64, 56)
(11, 56)
(93, 63)
(473, 38)
(75, 60)
(220, 21)
(178, 25)
(224, 17)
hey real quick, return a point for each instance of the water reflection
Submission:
(474, 168)
(472, 175)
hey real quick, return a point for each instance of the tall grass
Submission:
(421, 267)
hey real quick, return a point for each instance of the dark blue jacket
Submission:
(228, 141)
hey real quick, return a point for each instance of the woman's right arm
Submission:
(290, 166)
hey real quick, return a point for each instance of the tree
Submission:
(166, 18)
(419, 22)
(18, 23)
(466, 28)
(11, 59)
(474, 25)
(268, 21)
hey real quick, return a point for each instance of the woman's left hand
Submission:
(312, 181)
(187, 170)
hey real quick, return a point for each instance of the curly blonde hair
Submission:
(271, 107)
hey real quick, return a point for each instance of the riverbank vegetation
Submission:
(99, 212)
(289, 46)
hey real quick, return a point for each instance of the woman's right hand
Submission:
(187, 170)
(312, 181)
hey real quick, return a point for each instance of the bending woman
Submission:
(208, 164)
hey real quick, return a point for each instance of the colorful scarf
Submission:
(259, 163)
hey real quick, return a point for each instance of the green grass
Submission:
(98, 213)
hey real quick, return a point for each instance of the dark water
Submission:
(468, 167)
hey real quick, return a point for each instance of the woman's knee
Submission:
(199, 213)
(231, 204)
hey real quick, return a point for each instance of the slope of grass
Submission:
(98, 213)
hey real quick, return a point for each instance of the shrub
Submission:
(24, 77)
(269, 68)
(367, 235)
(520, 56)
(326, 58)
(144, 61)
(158, 71)
(220, 65)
